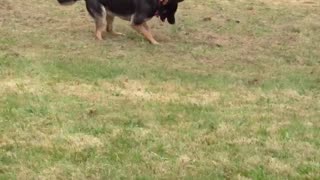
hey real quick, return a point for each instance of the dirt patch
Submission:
(5, 11)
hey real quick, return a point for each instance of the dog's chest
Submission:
(127, 9)
(124, 17)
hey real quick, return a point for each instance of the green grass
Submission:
(233, 92)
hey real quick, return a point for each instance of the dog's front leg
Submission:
(145, 25)
(145, 31)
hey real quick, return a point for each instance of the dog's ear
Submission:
(171, 20)
(178, 1)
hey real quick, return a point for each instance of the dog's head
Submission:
(168, 11)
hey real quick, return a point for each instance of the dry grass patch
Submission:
(23, 85)
(231, 94)
(279, 167)
(294, 2)
(136, 91)
(59, 139)
(79, 142)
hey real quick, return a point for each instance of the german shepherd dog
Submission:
(138, 12)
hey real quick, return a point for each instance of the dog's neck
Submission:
(161, 3)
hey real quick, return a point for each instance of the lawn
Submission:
(232, 92)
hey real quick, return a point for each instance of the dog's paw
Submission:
(117, 33)
(99, 36)
(155, 43)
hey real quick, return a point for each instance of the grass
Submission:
(233, 92)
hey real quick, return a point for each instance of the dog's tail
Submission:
(94, 7)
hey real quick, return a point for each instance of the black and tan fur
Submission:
(138, 12)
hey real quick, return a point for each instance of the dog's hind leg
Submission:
(98, 12)
(145, 25)
(101, 24)
(110, 20)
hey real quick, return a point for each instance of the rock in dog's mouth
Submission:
(67, 2)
